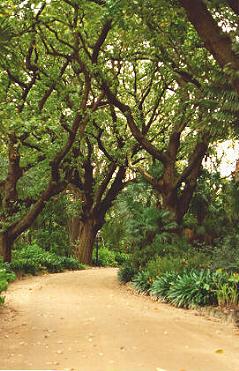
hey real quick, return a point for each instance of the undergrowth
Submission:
(33, 259)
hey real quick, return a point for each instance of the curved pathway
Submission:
(86, 321)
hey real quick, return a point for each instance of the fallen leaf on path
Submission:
(219, 351)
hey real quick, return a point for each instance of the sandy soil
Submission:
(86, 321)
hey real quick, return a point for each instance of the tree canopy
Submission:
(96, 93)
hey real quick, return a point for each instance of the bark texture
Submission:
(218, 43)
(96, 200)
(84, 234)
(5, 247)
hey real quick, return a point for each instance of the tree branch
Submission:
(96, 50)
(104, 184)
(216, 41)
(125, 109)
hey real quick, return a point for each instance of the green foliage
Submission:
(33, 259)
(226, 253)
(164, 264)
(6, 276)
(171, 75)
(158, 259)
(106, 258)
(71, 263)
(142, 281)
(121, 257)
(126, 273)
(135, 222)
(228, 292)
(109, 258)
(178, 262)
(213, 215)
(193, 288)
(162, 285)
(50, 229)
(22, 265)
(146, 229)
(6, 34)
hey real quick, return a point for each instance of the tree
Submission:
(167, 91)
(47, 97)
(152, 92)
(72, 71)
(218, 42)
(96, 176)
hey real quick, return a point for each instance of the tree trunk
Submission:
(84, 240)
(5, 248)
(74, 227)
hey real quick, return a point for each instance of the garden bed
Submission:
(229, 315)
(226, 314)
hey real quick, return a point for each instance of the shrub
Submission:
(121, 257)
(164, 264)
(71, 263)
(197, 288)
(162, 285)
(142, 282)
(106, 258)
(188, 260)
(23, 265)
(52, 263)
(228, 292)
(126, 273)
(33, 259)
(194, 259)
(226, 254)
(5, 278)
(193, 288)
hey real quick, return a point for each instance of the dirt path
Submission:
(85, 321)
